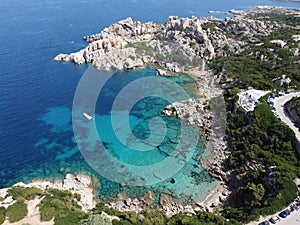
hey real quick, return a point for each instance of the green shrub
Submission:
(67, 217)
(112, 212)
(47, 213)
(2, 214)
(61, 206)
(77, 197)
(122, 222)
(16, 212)
(24, 193)
(141, 47)
(95, 220)
(155, 217)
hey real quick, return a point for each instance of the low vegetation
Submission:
(288, 19)
(264, 161)
(16, 212)
(158, 217)
(95, 219)
(140, 48)
(2, 214)
(21, 193)
(61, 206)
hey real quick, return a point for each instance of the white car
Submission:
(274, 219)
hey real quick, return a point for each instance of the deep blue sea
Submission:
(36, 93)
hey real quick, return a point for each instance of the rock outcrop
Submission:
(178, 45)
(170, 205)
(193, 112)
(79, 183)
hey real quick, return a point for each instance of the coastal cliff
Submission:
(178, 45)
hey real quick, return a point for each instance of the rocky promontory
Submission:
(79, 183)
(180, 44)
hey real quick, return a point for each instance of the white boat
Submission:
(87, 116)
(156, 176)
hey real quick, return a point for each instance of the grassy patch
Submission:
(16, 212)
(141, 48)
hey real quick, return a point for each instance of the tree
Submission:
(252, 194)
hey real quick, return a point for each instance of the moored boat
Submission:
(87, 116)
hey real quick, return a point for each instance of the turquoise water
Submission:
(131, 158)
(36, 94)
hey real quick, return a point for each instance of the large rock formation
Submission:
(183, 42)
(193, 112)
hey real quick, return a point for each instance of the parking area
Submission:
(292, 219)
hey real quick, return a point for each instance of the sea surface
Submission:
(36, 93)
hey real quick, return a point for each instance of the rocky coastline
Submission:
(178, 45)
(75, 183)
(183, 45)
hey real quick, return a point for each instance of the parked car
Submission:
(264, 223)
(285, 213)
(274, 219)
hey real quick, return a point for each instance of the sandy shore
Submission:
(215, 198)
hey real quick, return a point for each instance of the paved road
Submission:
(294, 218)
(278, 103)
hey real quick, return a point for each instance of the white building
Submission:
(279, 42)
(296, 37)
(248, 99)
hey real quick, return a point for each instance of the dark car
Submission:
(264, 223)
(285, 213)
